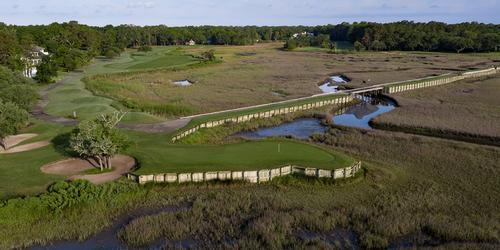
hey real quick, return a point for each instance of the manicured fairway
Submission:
(73, 97)
(160, 57)
(162, 61)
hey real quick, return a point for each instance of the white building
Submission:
(191, 42)
(305, 33)
(32, 60)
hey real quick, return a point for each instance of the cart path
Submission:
(173, 125)
(39, 113)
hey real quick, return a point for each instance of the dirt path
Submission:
(166, 126)
(14, 140)
(73, 168)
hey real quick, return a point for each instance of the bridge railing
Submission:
(436, 81)
(261, 112)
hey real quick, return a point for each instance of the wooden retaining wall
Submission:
(255, 176)
(265, 114)
(400, 87)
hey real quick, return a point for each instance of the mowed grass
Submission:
(160, 57)
(469, 108)
(21, 173)
(252, 155)
(72, 96)
(264, 73)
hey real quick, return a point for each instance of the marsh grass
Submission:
(406, 189)
(467, 110)
(266, 73)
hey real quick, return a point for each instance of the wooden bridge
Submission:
(365, 90)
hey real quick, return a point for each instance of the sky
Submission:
(245, 12)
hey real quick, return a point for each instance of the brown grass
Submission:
(269, 74)
(466, 110)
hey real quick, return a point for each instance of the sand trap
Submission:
(26, 147)
(14, 140)
(122, 164)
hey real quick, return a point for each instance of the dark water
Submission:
(358, 116)
(300, 128)
(108, 239)
(338, 238)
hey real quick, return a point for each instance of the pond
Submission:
(332, 84)
(300, 129)
(183, 83)
(357, 115)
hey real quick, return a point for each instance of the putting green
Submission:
(158, 157)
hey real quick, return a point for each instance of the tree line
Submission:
(72, 45)
(17, 96)
(410, 36)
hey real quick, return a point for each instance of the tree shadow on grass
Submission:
(61, 145)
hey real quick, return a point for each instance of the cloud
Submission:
(140, 4)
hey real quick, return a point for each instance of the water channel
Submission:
(357, 115)
(107, 239)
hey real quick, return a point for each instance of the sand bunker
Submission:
(73, 168)
(12, 141)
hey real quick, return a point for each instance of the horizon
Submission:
(245, 13)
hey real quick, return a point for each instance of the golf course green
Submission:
(155, 153)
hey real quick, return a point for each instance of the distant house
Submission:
(32, 60)
(191, 42)
(304, 33)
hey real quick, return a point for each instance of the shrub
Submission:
(145, 48)
(358, 46)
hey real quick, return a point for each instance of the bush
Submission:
(46, 70)
(291, 44)
(208, 55)
(145, 48)
(358, 46)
